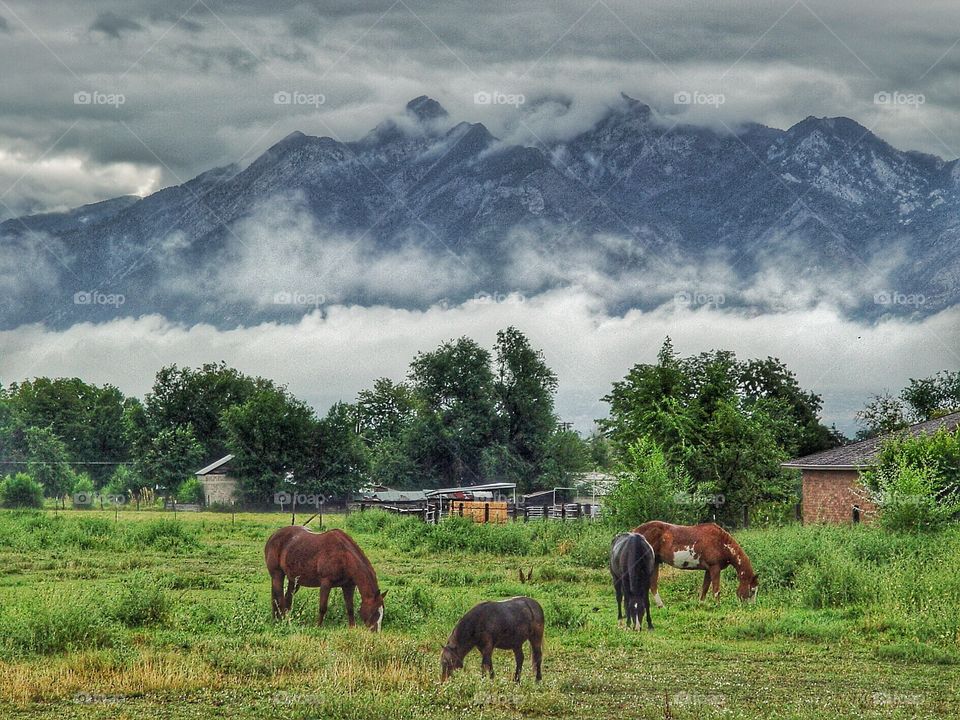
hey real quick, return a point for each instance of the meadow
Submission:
(151, 616)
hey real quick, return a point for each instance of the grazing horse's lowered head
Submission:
(371, 611)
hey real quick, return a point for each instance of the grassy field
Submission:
(169, 618)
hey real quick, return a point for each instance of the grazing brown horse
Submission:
(326, 560)
(504, 625)
(706, 547)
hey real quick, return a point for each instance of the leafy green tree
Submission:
(125, 480)
(184, 396)
(339, 462)
(20, 491)
(385, 411)
(525, 387)
(566, 453)
(728, 424)
(882, 414)
(270, 434)
(172, 456)
(88, 419)
(934, 396)
(48, 461)
(458, 418)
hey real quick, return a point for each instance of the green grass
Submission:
(155, 617)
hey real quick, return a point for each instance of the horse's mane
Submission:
(744, 565)
(362, 561)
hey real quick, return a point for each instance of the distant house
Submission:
(832, 491)
(219, 485)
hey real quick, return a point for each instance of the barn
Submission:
(219, 485)
(832, 491)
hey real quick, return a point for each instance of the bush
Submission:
(649, 489)
(20, 491)
(191, 491)
(139, 602)
(917, 481)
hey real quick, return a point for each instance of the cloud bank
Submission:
(333, 352)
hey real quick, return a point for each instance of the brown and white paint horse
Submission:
(706, 547)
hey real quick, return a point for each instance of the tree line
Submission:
(703, 426)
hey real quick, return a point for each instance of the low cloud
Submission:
(329, 356)
(113, 25)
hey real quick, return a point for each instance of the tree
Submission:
(338, 463)
(88, 419)
(566, 453)
(458, 418)
(269, 434)
(385, 411)
(932, 397)
(172, 456)
(48, 462)
(728, 424)
(184, 396)
(525, 387)
(883, 414)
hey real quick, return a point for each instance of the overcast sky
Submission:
(179, 86)
(102, 98)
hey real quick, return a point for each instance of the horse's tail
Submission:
(641, 558)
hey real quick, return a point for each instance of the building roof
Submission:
(394, 496)
(214, 465)
(863, 453)
(474, 488)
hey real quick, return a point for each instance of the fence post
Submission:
(486, 512)
(746, 516)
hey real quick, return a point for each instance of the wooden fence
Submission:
(489, 511)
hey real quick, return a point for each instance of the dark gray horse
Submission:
(632, 563)
(504, 625)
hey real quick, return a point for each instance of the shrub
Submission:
(649, 488)
(191, 491)
(139, 602)
(21, 491)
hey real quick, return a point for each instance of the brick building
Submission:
(832, 491)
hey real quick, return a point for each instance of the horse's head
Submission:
(450, 660)
(371, 611)
(747, 589)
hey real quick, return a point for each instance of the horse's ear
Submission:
(383, 594)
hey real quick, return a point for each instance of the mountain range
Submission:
(639, 208)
